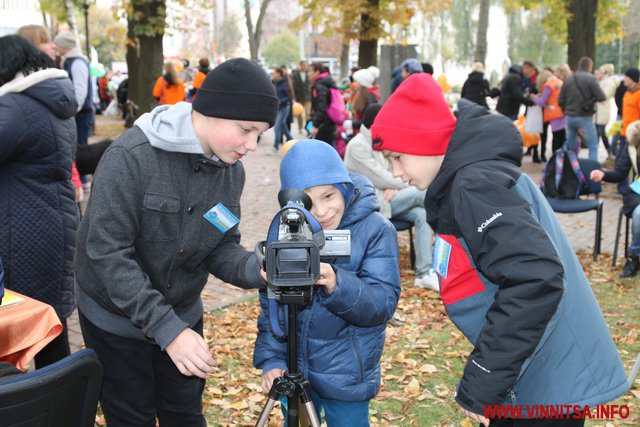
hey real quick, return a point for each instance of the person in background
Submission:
(476, 87)
(322, 127)
(408, 67)
(367, 92)
(40, 37)
(280, 128)
(549, 87)
(608, 84)
(174, 179)
(510, 94)
(628, 161)
(38, 212)
(77, 66)
(199, 76)
(578, 97)
(301, 92)
(169, 87)
(427, 68)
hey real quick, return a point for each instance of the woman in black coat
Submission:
(476, 88)
(38, 212)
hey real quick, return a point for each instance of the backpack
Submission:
(337, 109)
(562, 177)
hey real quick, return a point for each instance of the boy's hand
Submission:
(476, 417)
(191, 355)
(596, 175)
(327, 277)
(269, 377)
(389, 194)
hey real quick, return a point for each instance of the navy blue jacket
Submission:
(510, 280)
(38, 212)
(282, 91)
(341, 336)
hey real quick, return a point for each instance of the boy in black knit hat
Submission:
(163, 215)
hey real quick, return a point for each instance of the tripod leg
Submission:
(264, 415)
(305, 394)
(280, 386)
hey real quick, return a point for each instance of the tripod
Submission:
(292, 384)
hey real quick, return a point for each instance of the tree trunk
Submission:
(144, 52)
(344, 57)
(369, 33)
(480, 54)
(71, 16)
(581, 30)
(253, 48)
(255, 33)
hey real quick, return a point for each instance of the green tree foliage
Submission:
(530, 40)
(465, 28)
(230, 36)
(282, 49)
(108, 35)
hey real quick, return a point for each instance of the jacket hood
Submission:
(363, 202)
(476, 76)
(479, 136)
(170, 128)
(50, 87)
(325, 79)
(516, 69)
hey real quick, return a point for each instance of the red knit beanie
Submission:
(416, 119)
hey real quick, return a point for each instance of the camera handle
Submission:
(292, 384)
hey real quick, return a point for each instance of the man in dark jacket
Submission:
(509, 278)
(578, 98)
(323, 127)
(301, 92)
(511, 96)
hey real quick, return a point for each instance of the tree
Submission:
(145, 29)
(480, 52)
(282, 49)
(109, 35)
(363, 20)
(255, 32)
(579, 23)
(230, 36)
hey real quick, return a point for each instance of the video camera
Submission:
(296, 243)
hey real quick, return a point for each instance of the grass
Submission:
(422, 362)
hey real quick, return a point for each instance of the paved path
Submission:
(259, 203)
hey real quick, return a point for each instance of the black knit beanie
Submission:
(238, 89)
(633, 73)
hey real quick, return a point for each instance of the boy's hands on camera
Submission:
(327, 277)
(269, 377)
(191, 355)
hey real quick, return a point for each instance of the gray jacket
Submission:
(361, 158)
(579, 94)
(144, 248)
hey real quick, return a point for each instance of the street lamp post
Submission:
(86, 27)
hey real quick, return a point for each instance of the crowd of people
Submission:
(165, 207)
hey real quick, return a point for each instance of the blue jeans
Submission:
(589, 134)
(338, 413)
(408, 205)
(280, 127)
(634, 247)
(84, 123)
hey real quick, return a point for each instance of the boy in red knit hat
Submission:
(509, 278)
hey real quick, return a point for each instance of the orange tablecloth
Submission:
(25, 328)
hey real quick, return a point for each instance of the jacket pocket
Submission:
(358, 368)
(160, 217)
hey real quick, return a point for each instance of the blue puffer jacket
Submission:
(38, 213)
(341, 336)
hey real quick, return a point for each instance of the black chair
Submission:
(584, 205)
(401, 225)
(626, 237)
(63, 394)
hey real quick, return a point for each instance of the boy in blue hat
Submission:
(342, 331)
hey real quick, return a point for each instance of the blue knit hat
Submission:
(412, 66)
(310, 163)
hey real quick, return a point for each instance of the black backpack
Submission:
(562, 177)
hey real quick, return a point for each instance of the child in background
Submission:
(509, 278)
(342, 331)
